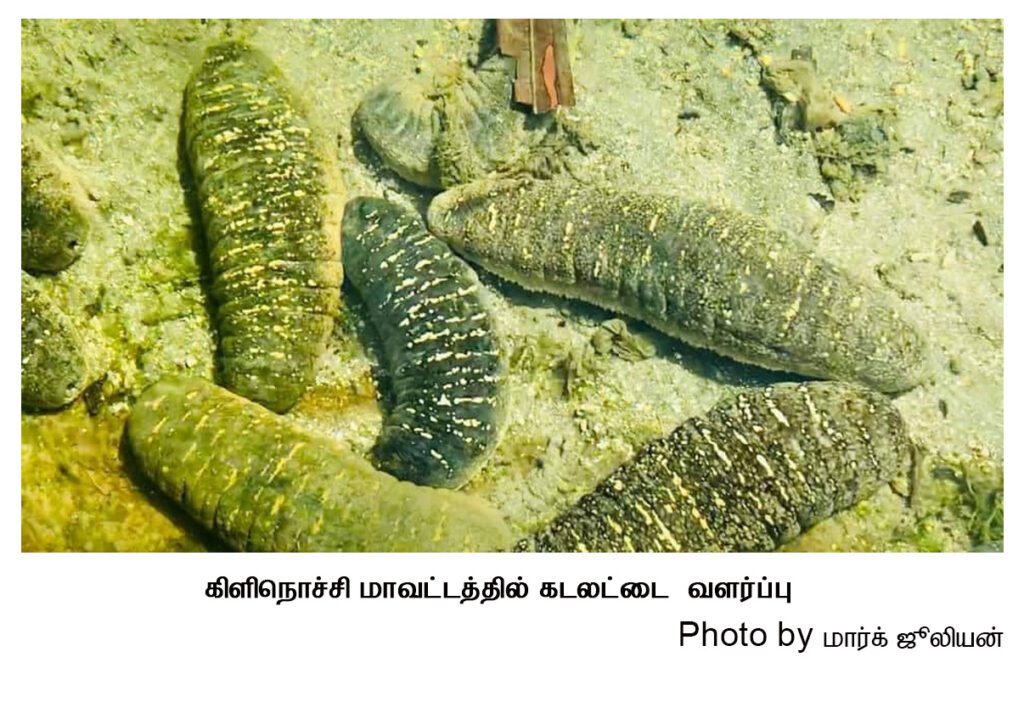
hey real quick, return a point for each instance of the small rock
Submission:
(979, 232)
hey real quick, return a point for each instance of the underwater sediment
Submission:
(261, 483)
(715, 278)
(438, 343)
(271, 208)
(750, 475)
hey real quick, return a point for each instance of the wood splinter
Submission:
(540, 48)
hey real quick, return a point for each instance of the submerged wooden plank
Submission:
(543, 73)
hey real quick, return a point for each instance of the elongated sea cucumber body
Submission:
(749, 475)
(438, 345)
(54, 369)
(261, 483)
(713, 277)
(271, 208)
(55, 211)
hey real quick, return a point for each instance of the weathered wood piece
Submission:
(543, 74)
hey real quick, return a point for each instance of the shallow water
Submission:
(676, 106)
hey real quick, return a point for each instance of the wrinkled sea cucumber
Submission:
(401, 123)
(271, 207)
(438, 345)
(261, 483)
(712, 277)
(450, 127)
(480, 132)
(749, 475)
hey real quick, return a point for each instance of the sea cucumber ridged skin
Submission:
(480, 133)
(54, 370)
(438, 345)
(712, 277)
(400, 122)
(749, 475)
(261, 483)
(447, 128)
(271, 206)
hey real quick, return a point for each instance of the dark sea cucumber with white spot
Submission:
(271, 206)
(749, 475)
(712, 277)
(438, 344)
(262, 483)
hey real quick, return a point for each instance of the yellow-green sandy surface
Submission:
(671, 105)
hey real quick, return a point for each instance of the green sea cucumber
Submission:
(54, 368)
(56, 215)
(712, 277)
(261, 483)
(438, 345)
(749, 475)
(271, 207)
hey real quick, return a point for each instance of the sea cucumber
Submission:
(712, 277)
(56, 215)
(450, 127)
(749, 475)
(54, 369)
(401, 123)
(438, 345)
(271, 207)
(261, 483)
(480, 133)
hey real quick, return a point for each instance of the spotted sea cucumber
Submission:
(438, 345)
(271, 207)
(713, 277)
(56, 215)
(54, 368)
(749, 475)
(261, 483)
